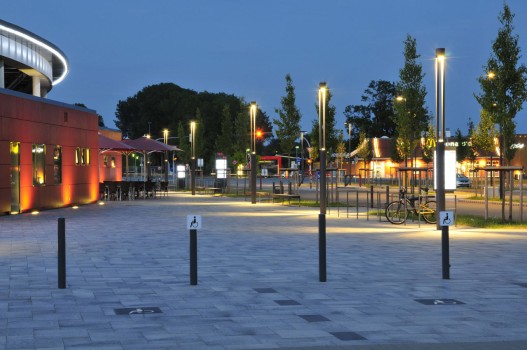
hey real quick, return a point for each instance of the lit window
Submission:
(39, 165)
(57, 165)
(77, 156)
(82, 156)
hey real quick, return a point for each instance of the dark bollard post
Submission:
(193, 257)
(387, 196)
(371, 196)
(445, 248)
(322, 247)
(61, 256)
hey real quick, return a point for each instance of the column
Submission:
(2, 79)
(36, 85)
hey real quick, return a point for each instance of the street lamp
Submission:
(252, 115)
(322, 92)
(165, 140)
(193, 157)
(440, 154)
(349, 147)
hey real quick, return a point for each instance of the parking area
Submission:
(128, 281)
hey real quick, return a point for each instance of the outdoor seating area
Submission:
(131, 190)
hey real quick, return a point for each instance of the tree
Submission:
(165, 106)
(428, 146)
(183, 143)
(411, 115)
(484, 135)
(471, 153)
(200, 135)
(376, 116)
(365, 151)
(224, 141)
(503, 88)
(462, 149)
(288, 124)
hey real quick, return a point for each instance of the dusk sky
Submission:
(246, 48)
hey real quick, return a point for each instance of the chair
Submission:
(113, 190)
(103, 193)
(163, 188)
(126, 190)
(150, 189)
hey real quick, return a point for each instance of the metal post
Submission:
(323, 196)
(445, 248)
(253, 178)
(371, 196)
(193, 257)
(193, 175)
(61, 253)
(322, 247)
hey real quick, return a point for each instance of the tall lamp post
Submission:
(440, 154)
(193, 157)
(165, 140)
(252, 114)
(349, 147)
(322, 92)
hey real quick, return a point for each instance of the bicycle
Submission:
(397, 211)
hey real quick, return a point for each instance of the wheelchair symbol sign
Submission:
(446, 218)
(194, 222)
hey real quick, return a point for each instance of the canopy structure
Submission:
(147, 145)
(108, 144)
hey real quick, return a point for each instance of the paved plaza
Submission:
(128, 283)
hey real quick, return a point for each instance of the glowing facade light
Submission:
(44, 46)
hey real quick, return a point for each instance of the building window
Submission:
(39, 165)
(82, 156)
(105, 161)
(57, 165)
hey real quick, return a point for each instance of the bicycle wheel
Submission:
(429, 212)
(396, 212)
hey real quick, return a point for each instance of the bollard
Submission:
(445, 252)
(387, 196)
(322, 247)
(193, 257)
(61, 256)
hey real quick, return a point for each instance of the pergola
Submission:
(146, 146)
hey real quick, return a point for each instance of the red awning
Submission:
(106, 143)
(150, 145)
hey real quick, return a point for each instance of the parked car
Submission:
(462, 181)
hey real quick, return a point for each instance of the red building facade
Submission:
(48, 154)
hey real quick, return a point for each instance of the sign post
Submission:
(446, 219)
(193, 224)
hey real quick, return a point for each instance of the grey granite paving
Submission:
(253, 262)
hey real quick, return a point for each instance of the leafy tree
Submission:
(166, 105)
(288, 124)
(462, 150)
(365, 151)
(200, 135)
(341, 149)
(224, 141)
(484, 135)
(183, 143)
(242, 130)
(471, 153)
(376, 116)
(504, 87)
(428, 146)
(411, 115)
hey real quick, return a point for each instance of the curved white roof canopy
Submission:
(27, 52)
